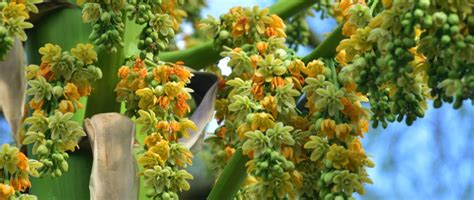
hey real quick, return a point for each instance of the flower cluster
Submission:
(446, 47)
(382, 49)
(54, 89)
(410, 51)
(15, 169)
(13, 16)
(244, 26)
(292, 147)
(107, 22)
(338, 119)
(160, 19)
(157, 95)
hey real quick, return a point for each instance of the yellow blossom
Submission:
(85, 53)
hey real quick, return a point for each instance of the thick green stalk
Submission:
(234, 172)
(327, 49)
(65, 28)
(231, 179)
(205, 54)
(102, 99)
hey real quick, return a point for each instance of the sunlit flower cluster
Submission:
(13, 16)
(158, 96)
(55, 89)
(296, 149)
(380, 49)
(15, 169)
(244, 26)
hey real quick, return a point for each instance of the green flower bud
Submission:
(64, 166)
(42, 150)
(453, 19)
(445, 39)
(440, 18)
(424, 4)
(58, 91)
(150, 192)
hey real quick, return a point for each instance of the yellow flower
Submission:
(72, 93)
(262, 121)
(329, 127)
(15, 10)
(240, 27)
(229, 151)
(152, 140)
(85, 53)
(50, 53)
(162, 149)
(6, 191)
(314, 68)
(342, 130)
(269, 103)
(123, 72)
(161, 73)
(261, 47)
(172, 89)
(185, 125)
(66, 106)
(20, 183)
(147, 98)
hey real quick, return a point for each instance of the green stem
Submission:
(327, 49)
(103, 95)
(231, 179)
(205, 54)
(102, 99)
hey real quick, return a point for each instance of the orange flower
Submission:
(20, 183)
(287, 151)
(277, 82)
(46, 71)
(182, 73)
(240, 27)
(123, 72)
(221, 132)
(85, 90)
(174, 125)
(181, 106)
(22, 162)
(71, 92)
(36, 106)
(66, 106)
(163, 126)
(6, 191)
(328, 126)
(261, 47)
(163, 102)
(254, 60)
(229, 151)
(139, 67)
(257, 91)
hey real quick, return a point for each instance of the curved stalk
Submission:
(204, 54)
(327, 49)
(231, 179)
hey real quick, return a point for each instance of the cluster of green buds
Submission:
(157, 95)
(338, 121)
(447, 46)
(13, 16)
(383, 49)
(297, 31)
(15, 171)
(54, 89)
(107, 21)
(244, 26)
(161, 21)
